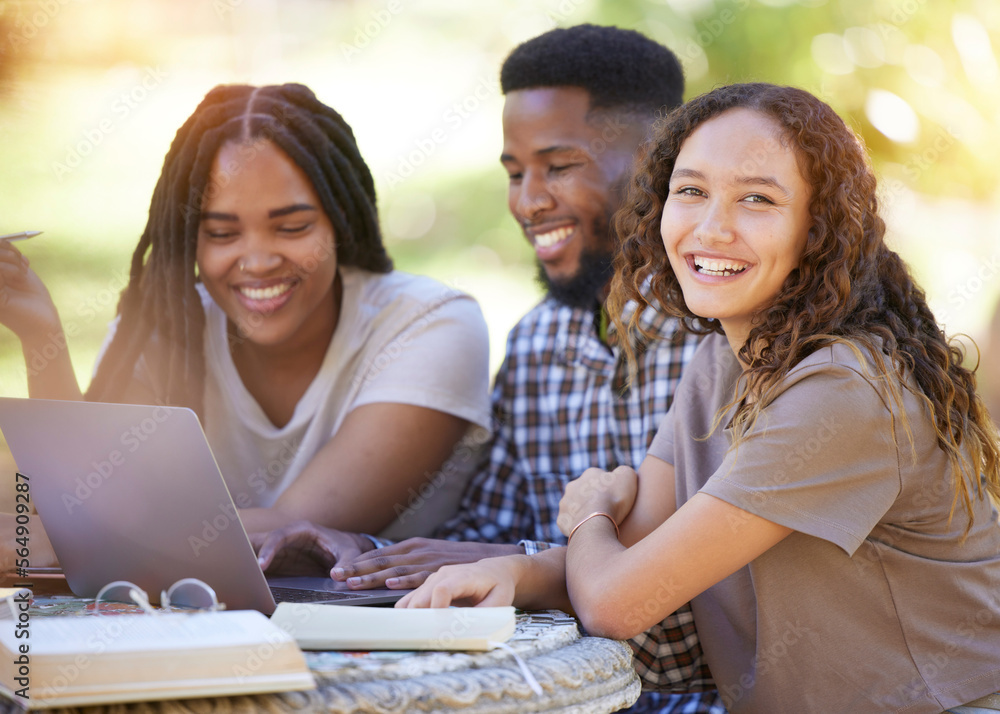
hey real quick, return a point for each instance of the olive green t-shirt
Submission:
(874, 604)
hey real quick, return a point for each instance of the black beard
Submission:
(585, 287)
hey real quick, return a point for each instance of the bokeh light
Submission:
(830, 53)
(891, 115)
(92, 91)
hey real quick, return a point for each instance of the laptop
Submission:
(130, 492)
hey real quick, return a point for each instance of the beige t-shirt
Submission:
(874, 604)
(400, 338)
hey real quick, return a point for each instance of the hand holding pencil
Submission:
(25, 304)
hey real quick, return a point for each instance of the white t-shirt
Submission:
(400, 338)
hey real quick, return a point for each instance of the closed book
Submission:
(321, 627)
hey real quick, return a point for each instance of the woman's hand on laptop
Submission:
(489, 583)
(304, 548)
(530, 582)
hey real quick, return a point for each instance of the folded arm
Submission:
(620, 591)
(616, 591)
(361, 477)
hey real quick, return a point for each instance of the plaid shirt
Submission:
(560, 406)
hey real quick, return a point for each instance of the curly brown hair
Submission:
(848, 287)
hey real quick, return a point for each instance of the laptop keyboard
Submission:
(296, 595)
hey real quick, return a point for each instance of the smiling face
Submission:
(266, 251)
(736, 218)
(563, 170)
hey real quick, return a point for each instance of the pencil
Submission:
(23, 235)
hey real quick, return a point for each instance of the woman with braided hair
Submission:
(261, 296)
(823, 489)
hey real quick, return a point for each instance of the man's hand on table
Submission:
(304, 548)
(408, 564)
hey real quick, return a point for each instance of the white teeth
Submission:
(709, 266)
(266, 293)
(546, 240)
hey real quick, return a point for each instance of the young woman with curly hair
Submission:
(261, 296)
(822, 488)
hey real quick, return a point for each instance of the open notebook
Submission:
(76, 661)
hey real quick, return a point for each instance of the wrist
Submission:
(44, 330)
(44, 339)
(495, 550)
(539, 580)
(364, 542)
(518, 566)
(603, 515)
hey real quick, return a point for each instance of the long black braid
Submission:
(161, 313)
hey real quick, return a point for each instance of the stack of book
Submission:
(81, 660)
(73, 661)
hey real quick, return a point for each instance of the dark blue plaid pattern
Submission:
(561, 404)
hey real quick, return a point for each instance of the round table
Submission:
(576, 674)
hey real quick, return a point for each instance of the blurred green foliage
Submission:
(911, 48)
(917, 79)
